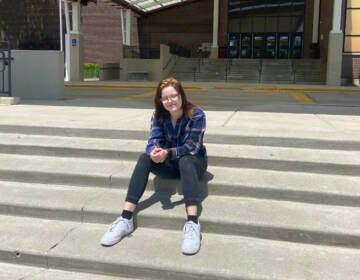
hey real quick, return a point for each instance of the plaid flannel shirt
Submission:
(185, 139)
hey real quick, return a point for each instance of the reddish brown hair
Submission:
(160, 112)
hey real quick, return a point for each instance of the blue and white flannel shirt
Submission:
(185, 139)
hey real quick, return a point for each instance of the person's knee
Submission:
(144, 157)
(144, 160)
(186, 162)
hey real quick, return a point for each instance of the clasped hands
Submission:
(158, 155)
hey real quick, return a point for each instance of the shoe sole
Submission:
(191, 254)
(112, 244)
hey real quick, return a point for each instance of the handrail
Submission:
(227, 68)
(260, 70)
(142, 52)
(168, 62)
(293, 71)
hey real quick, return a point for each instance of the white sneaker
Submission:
(191, 239)
(118, 229)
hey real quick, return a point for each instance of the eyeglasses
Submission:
(169, 98)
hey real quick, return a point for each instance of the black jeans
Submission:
(189, 169)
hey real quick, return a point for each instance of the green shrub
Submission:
(91, 70)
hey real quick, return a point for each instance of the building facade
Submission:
(246, 29)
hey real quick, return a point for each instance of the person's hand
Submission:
(158, 155)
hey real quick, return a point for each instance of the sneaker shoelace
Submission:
(189, 231)
(115, 223)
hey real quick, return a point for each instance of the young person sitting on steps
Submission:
(175, 149)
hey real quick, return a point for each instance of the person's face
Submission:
(171, 99)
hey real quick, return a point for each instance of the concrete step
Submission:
(15, 272)
(245, 156)
(155, 253)
(283, 131)
(298, 123)
(267, 158)
(95, 147)
(93, 172)
(268, 219)
(135, 141)
(111, 173)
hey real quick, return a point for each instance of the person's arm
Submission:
(156, 138)
(194, 137)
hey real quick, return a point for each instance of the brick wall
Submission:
(351, 67)
(188, 25)
(326, 12)
(30, 24)
(223, 22)
(309, 17)
(101, 26)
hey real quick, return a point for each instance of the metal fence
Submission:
(5, 68)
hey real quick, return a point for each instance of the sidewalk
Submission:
(126, 111)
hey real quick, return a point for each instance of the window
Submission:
(266, 15)
(352, 27)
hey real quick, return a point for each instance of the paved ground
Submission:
(286, 156)
(220, 96)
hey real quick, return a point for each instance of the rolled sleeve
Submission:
(156, 138)
(194, 135)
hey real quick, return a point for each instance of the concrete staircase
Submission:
(185, 69)
(310, 71)
(277, 71)
(212, 70)
(274, 206)
(244, 70)
(297, 71)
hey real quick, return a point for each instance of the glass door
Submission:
(270, 47)
(283, 48)
(246, 45)
(296, 45)
(259, 45)
(234, 40)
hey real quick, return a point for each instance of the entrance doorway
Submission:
(265, 45)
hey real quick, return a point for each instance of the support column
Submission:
(214, 46)
(122, 26)
(74, 46)
(315, 33)
(128, 27)
(334, 57)
(61, 27)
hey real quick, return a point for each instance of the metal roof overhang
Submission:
(141, 6)
(150, 5)
(147, 6)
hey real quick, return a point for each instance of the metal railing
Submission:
(153, 52)
(178, 50)
(5, 68)
(142, 52)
